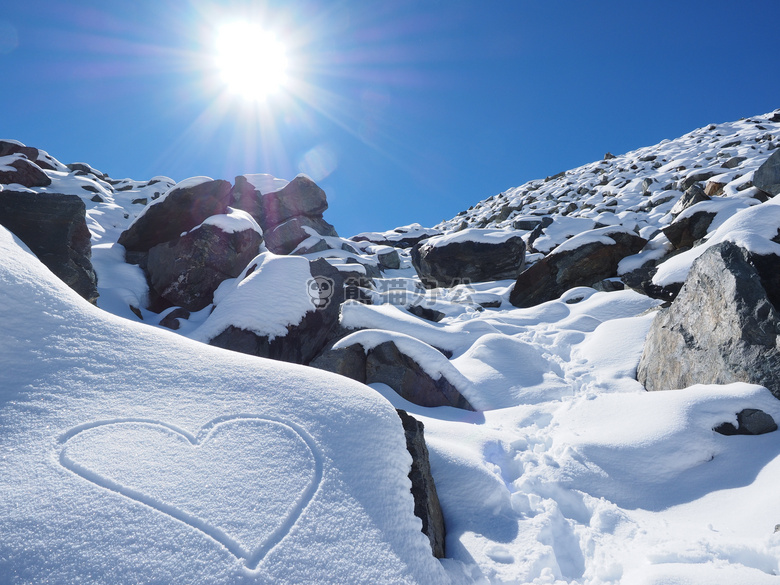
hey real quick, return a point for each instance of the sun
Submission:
(252, 61)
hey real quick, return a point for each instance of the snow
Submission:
(128, 454)
(273, 296)
(265, 183)
(235, 220)
(600, 236)
(482, 236)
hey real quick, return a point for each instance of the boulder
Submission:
(300, 197)
(180, 210)
(186, 271)
(54, 227)
(303, 341)
(585, 259)
(750, 421)
(386, 364)
(687, 229)
(389, 259)
(8, 147)
(426, 500)
(767, 176)
(473, 255)
(721, 328)
(22, 172)
(284, 238)
(691, 197)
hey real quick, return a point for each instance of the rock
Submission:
(386, 364)
(527, 224)
(8, 147)
(300, 197)
(750, 421)
(25, 173)
(303, 341)
(389, 259)
(685, 231)
(694, 178)
(179, 211)
(426, 500)
(54, 227)
(721, 328)
(426, 313)
(734, 162)
(172, 319)
(570, 265)
(767, 176)
(713, 188)
(187, 271)
(691, 197)
(444, 262)
(346, 361)
(284, 238)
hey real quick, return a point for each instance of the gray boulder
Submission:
(386, 364)
(54, 227)
(693, 195)
(721, 328)
(767, 176)
(284, 238)
(579, 266)
(186, 271)
(426, 500)
(8, 147)
(300, 197)
(450, 263)
(25, 173)
(685, 231)
(179, 211)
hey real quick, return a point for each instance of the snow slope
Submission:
(132, 455)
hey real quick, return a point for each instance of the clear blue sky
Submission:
(405, 111)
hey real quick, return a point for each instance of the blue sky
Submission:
(403, 111)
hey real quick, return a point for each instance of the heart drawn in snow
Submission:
(242, 480)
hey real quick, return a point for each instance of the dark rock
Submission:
(187, 270)
(426, 500)
(694, 178)
(180, 211)
(301, 196)
(426, 313)
(319, 246)
(750, 421)
(386, 364)
(171, 320)
(284, 238)
(454, 263)
(54, 227)
(97, 199)
(685, 231)
(721, 328)
(767, 176)
(608, 285)
(582, 266)
(347, 361)
(25, 173)
(33, 154)
(303, 341)
(691, 197)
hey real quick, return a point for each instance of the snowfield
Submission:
(133, 454)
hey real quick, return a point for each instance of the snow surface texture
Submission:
(571, 473)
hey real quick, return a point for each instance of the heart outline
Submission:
(251, 558)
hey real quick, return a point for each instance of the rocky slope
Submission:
(516, 332)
